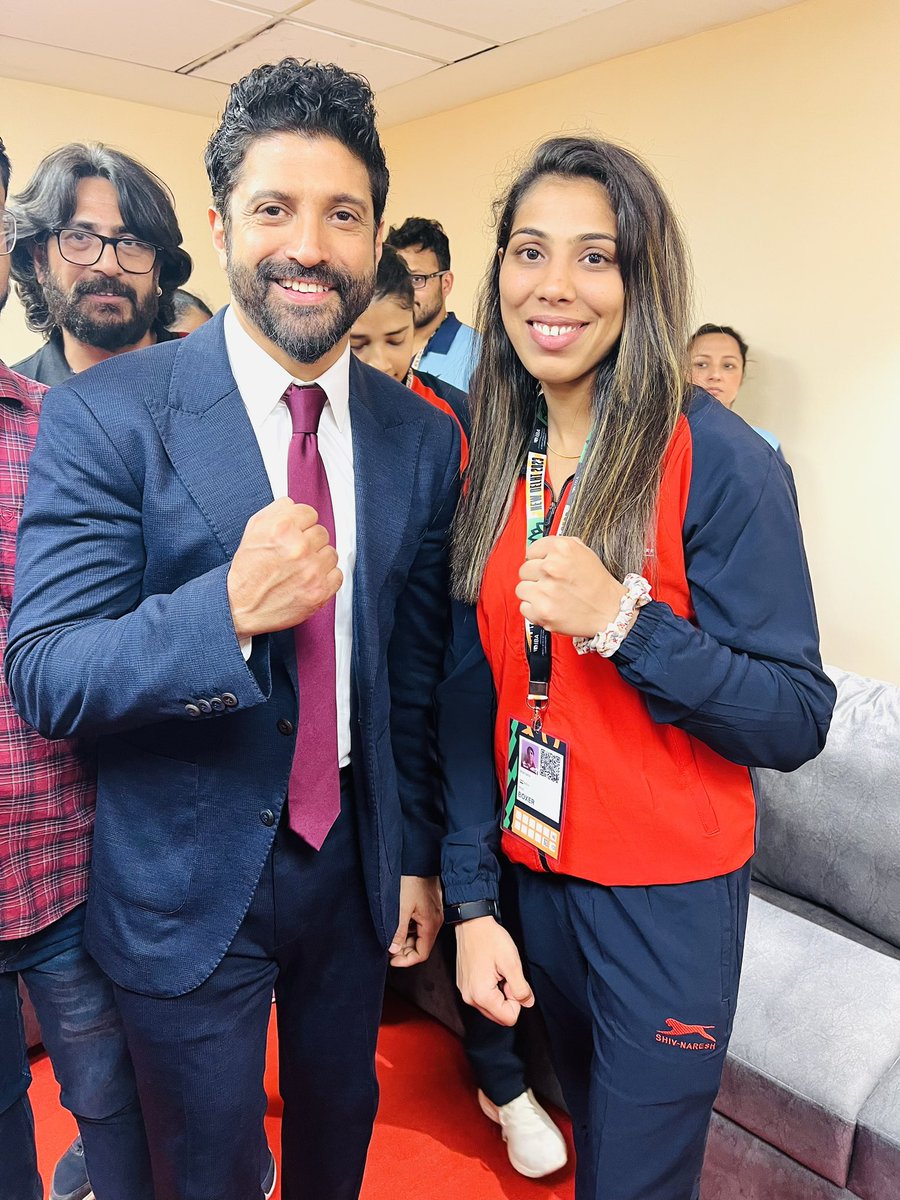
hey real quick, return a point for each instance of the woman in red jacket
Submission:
(633, 557)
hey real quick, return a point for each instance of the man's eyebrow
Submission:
(92, 227)
(269, 194)
(286, 198)
(348, 198)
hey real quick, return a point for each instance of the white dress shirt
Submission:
(262, 383)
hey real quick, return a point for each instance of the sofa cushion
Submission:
(739, 1166)
(815, 1031)
(824, 917)
(829, 831)
(875, 1169)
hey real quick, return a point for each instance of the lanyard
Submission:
(537, 525)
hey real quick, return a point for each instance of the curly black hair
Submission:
(316, 99)
(422, 233)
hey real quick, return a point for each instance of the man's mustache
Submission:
(320, 274)
(96, 287)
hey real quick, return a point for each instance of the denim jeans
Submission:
(84, 1038)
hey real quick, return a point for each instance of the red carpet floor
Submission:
(431, 1141)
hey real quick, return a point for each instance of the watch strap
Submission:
(455, 914)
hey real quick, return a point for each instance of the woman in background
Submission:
(718, 363)
(642, 612)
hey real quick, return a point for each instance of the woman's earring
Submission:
(158, 290)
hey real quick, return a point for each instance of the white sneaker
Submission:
(268, 1183)
(535, 1146)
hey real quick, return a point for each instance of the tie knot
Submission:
(305, 405)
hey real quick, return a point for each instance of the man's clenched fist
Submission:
(283, 571)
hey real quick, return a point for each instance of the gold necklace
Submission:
(559, 455)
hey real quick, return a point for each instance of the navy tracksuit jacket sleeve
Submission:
(466, 709)
(745, 677)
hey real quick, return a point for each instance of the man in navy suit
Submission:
(236, 650)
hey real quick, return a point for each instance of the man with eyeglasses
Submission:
(46, 826)
(97, 259)
(444, 346)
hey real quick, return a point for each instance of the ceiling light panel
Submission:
(377, 24)
(383, 68)
(500, 21)
(166, 33)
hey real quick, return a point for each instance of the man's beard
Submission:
(111, 332)
(424, 316)
(4, 296)
(304, 333)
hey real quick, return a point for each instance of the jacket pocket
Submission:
(145, 840)
(703, 801)
(682, 750)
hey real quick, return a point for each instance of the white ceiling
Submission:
(421, 56)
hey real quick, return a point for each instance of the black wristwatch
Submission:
(455, 914)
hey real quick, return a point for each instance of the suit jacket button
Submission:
(267, 816)
(284, 726)
(217, 704)
(229, 700)
(192, 710)
(204, 706)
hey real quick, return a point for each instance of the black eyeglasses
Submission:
(83, 249)
(7, 233)
(419, 281)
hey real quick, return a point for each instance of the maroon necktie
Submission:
(314, 789)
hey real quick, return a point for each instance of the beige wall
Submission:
(35, 119)
(777, 139)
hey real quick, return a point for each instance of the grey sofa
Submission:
(809, 1107)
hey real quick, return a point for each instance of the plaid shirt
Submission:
(46, 788)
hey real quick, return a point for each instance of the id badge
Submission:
(535, 787)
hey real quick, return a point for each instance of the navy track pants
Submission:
(638, 987)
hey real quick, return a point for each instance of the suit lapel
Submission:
(207, 434)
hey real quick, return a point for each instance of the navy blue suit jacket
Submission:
(145, 473)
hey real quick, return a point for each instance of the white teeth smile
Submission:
(301, 285)
(553, 330)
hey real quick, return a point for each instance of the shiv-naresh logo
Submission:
(684, 1036)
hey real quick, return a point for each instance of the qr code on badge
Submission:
(550, 765)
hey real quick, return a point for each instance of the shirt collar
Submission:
(262, 381)
(442, 338)
(27, 392)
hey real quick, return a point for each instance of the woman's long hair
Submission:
(638, 393)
